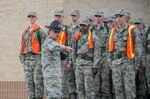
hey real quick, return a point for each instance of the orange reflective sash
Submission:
(35, 45)
(62, 37)
(130, 45)
(90, 38)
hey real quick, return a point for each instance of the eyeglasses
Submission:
(97, 16)
(31, 16)
(57, 15)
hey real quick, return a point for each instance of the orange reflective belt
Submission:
(130, 45)
(111, 40)
(34, 43)
(62, 37)
(90, 38)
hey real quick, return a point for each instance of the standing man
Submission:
(91, 20)
(63, 40)
(102, 78)
(141, 74)
(125, 46)
(86, 58)
(147, 45)
(72, 29)
(112, 21)
(30, 55)
(51, 61)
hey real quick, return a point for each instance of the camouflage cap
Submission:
(112, 18)
(59, 12)
(99, 13)
(32, 14)
(120, 12)
(75, 13)
(90, 18)
(139, 20)
(106, 20)
(126, 13)
(84, 21)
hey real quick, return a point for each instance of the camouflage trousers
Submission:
(64, 82)
(52, 81)
(123, 76)
(84, 82)
(97, 84)
(148, 72)
(33, 76)
(72, 83)
(105, 79)
(102, 79)
(141, 82)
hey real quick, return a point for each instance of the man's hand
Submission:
(22, 59)
(69, 67)
(94, 70)
(136, 68)
(68, 49)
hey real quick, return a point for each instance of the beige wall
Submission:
(13, 22)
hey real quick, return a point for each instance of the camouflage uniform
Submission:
(65, 83)
(141, 74)
(147, 45)
(102, 80)
(64, 62)
(32, 66)
(52, 68)
(71, 75)
(85, 59)
(123, 73)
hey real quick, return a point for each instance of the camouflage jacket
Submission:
(51, 53)
(82, 54)
(120, 41)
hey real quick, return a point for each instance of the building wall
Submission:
(13, 21)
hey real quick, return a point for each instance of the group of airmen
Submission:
(92, 58)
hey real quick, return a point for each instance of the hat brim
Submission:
(74, 15)
(50, 28)
(31, 15)
(119, 14)
(83, 24)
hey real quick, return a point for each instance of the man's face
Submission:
(120, 19)
(98, 18)
(54, 34)
(59, 18)
(127, 19)
(141, 26)
(112, 23)
(91, 22)
(84, 28)
(32, 19)
(75, 18)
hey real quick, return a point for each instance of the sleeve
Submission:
(73, 53)
(137, 46)
(21, 57)
(143, 54)
(43, 35)
(109, 56)
(97, 53)
(53, 46)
